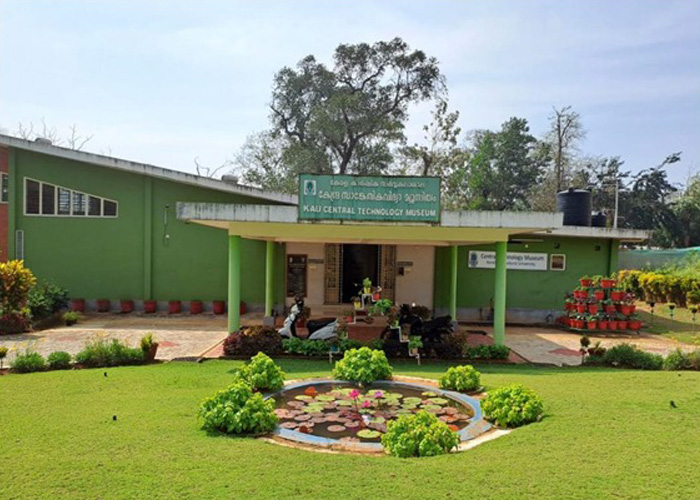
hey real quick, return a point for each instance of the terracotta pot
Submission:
(635, 324)
(580, 294)
(78, 305)
(603, 325)
(626, 309)
(593, 308)
(174, 307)
(633, 307)
(606, 283)
(585, 282)
(104, 305)
(376, 296)
(579, 324)
(196, 307)
(622, 325)
(581, 308)
(610, 308)
(348, 319)
(616, 295)
(612, 325)
(599, 294)
(591, 325)
(150, 306)
(150, 355)
(126, 306)
(219, 306)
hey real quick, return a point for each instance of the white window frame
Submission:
(72, 191)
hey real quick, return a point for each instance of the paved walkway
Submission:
(178, 336)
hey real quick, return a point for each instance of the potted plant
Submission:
(196, 307)
(78, 305)
(603, 323)
(377, 294)
(635, 323)
(585, 281)
(591, 322)
(622, 324)
(569, 304)
(367, 286)
(71, 317)
(599, 294)
(149, 347)
(581, 292)
(174, 307)
(218, 307)
(609, 306)
(581, 307)
(149, 306)
(103, 305)
(595, 280)
(612, 323)
(616, 294)
(608, 282)
(414, 343)
(126, 306)
(592, 306)
(356, 302)
(348, 316)
(596, 350)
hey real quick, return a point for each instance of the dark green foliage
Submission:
(262, 374)
(59, 360)
(304, 347)
(629, 356)
(237, 410)
(28, 361)
(512, 406)
(461, 378)
(487, 352)
(363, 365)
(680, 360)
(452, 346)
(46, 299)
(419, 435)
(249, 341)
(101, 352)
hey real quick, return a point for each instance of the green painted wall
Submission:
(525, 289)
(128, 256)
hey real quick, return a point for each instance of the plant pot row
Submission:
(583, 308)
(604, 282)
(605, 325)
(599, 294)
(151, 306)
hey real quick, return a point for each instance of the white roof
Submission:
(146, 169)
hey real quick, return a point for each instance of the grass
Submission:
(681, 328)
(607, 434)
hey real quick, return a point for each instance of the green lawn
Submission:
(681, 328)
(607, 434)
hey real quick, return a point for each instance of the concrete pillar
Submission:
(499, 295)
(454, 251)
(269, 278)
(234, 283)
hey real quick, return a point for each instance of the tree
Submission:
(330, 116)
(260, 162)
(74, 140)
(566, 130)
(687, 211)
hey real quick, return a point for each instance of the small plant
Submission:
(414, 342)
(461, 378)
(262, 374)
(71, 317)
(28, 361)
(512, 406)
(418, 435)
(487, 352)
(59, 360)
(249, 341)
(45, 299)
(585, 341)
(382, 307)
(679, 360)
(629, 356)
(237, 410)
(367, 285)
(149, 347)
(363, 365)
(99, 351)
(3, 355)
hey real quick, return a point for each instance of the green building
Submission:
(107, 228)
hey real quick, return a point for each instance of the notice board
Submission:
(296, 275)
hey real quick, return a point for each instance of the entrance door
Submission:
(359, 262)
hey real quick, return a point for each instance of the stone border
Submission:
(473, 433)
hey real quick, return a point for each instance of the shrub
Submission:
(3, 354)
(59, 360)
(71, 317)
(461, 378)
(237, 410)
(629, 356)
(363, 365)
(487, 352)
(304, 347)
(452, 346)
(512, 406)
(99, 351)
(28, 361)
(147, 342)
(262, 374)
(45, 299)
(249, 341)
(15, 283)
(679, 360)
(418, 435)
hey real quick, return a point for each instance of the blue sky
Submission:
(164, 82)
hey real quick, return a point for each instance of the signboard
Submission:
(369, 198)
(515, 260)
(296, 275)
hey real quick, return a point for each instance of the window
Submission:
(32, 200)
(5, 189)
(41, 198)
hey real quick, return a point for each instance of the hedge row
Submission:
(676, 286)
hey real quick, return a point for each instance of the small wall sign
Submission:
(557, 262)
(521, 261)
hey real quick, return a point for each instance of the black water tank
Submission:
(599, 220)
(576, 206)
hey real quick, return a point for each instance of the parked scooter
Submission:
(430, 331)
(319, 329)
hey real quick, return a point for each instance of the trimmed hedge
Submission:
(249, 341)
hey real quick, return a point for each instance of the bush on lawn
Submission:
(629, 356)
(303, 347)
(59, 360)
(46, 299)
(461, 378)
(418, 435)
(512, 406)
(679, 360)
(28, 361)
(451, 347)
(237, 410)
(262, 374)
(99, 351)
(487, 352)
(249, 341)
(363, 365)
(15, 283)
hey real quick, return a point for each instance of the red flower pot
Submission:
(150, 306)
(579, 324)
(348, 319)
(174, 307)
(376, 296)
(242, 308)
(593, 308)
(622, 325)
(591, 325)
(633, 307)
(603, 325)
(581, 308)
(612, 325)
(78, 305)
(103, 305)
(616, 295)
(196, 307)
(599, 294)
(585, 282)
(126, 306)
(607, 283)
(610, 308)
(635, 325)
(626, 309)
(219, 307)
(569, 306)
(580, 294)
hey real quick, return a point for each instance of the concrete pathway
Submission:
(178, 336)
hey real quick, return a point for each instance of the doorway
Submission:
(359, 262)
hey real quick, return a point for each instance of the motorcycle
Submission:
(430, 331)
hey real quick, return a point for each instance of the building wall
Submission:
(315, 272)
(531, 295)
(145, 252)
(4, 207)
(416, 284)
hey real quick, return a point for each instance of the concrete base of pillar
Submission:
(269, 321)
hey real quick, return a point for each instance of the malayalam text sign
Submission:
(369, 198)
(514, 260)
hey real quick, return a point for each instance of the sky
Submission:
(165, 82)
